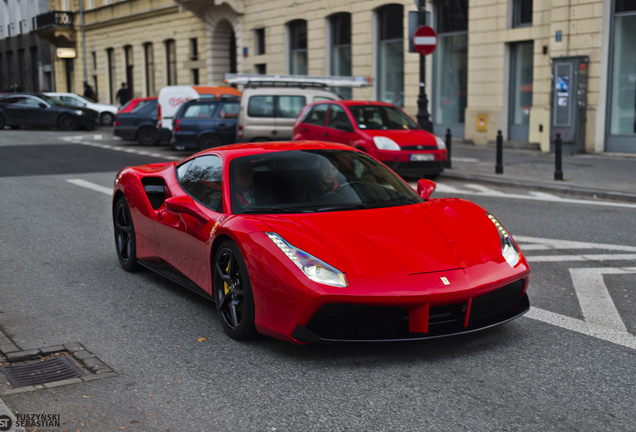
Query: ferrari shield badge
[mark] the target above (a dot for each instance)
(446, 282)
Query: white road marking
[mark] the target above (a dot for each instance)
(479, 190)
(601, 319)
(460, 159)
(80, 139)
(593, 257)
(545, 243)
(92, 186)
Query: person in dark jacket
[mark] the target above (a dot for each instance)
(122, 94)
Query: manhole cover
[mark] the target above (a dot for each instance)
(41, 371)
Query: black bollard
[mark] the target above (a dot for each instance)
(448, 148)
(499, 166)
(558, 173)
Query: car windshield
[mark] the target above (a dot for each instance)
(381, 117)
(310, 181)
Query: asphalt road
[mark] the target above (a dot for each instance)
(60, 281)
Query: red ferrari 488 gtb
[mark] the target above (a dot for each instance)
(315, 242)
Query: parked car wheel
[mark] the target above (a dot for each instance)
(208, 141)
(147, 136)
(66, 122)
(107, 118)
(14, 127)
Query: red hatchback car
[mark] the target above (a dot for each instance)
(380, 129)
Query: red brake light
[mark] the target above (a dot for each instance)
(239, 131)
(158, 115)
(175, 126)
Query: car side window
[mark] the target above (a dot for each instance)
(317, 115)
(70, 100)
(202, 178)
(290, 106)
(261, 106)
(12, 100)
(32, 102)
(200, 111)
(229, 110)
(337, 115)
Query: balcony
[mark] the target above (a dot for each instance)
(57, 27)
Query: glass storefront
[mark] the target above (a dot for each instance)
(341, 50)
(622, 117)
(391, 55)
(450, 63)
(521, 90)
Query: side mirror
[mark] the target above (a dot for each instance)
(343, 127)
(184, 204)
(425, 188)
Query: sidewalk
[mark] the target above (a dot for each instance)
(601, 175)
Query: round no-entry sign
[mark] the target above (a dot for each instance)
(425, 40)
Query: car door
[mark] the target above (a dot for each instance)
(339, 128)
(288, 108)
(194, 119)
(12, 109)
(183, 237)
(225, 121)
(40, 112)
(313, 125)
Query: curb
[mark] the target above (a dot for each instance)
(529, 184)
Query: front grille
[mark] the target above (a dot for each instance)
(359, 322)
(419, 147)
(499, 302)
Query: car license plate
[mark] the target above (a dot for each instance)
(422, 157)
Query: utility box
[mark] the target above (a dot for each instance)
(569, 103)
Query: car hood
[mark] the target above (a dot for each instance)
(434, 236)
(404, 138)
(103, 107)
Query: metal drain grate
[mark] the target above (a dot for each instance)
(41, 371)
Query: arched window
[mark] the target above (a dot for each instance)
(297, 31)
(390, 54)
(341, 49)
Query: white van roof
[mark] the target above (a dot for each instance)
(297, 80)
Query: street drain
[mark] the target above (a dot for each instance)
(42, 371)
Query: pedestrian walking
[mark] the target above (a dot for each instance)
(89, 93)
(122, 94)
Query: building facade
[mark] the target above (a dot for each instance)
(25, 60)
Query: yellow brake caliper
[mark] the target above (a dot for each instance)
(226, 287)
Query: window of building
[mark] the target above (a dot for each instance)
(522, 13)
(194, 49)
(390, 58)
(110, 58)
(259, 41)
(451, 64)
(341, 49)
(171, 60)
(298, 47)
(149, 55)
(622, 118)
(195, 76)
(94, 57)
(130, 76)
(260, 69)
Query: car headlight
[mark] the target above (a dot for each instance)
(78, 112)
(508, 248)
(384, 143)
(315, 269)
(440, 143)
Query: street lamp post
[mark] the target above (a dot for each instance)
(423, 116)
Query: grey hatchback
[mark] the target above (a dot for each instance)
(205, 123)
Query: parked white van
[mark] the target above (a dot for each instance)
(270, 104)
(172, 97)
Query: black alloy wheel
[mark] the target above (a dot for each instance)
(125, 241)
(208, 142)
(2, 122)
(107, 118)
(233, 292)
(147, 136)
(67, 122)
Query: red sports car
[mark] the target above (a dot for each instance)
(316, 242)
(378, 128)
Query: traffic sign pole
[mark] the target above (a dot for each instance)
(425, 42)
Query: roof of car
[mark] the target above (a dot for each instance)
(247, 149)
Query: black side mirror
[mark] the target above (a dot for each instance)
(345, 127)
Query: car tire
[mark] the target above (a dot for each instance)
(147, 136)
(107, 118)
(125, 241)
(2, 122)
(233, 292)
(208, 142)
(15, 127)
(67, 122)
